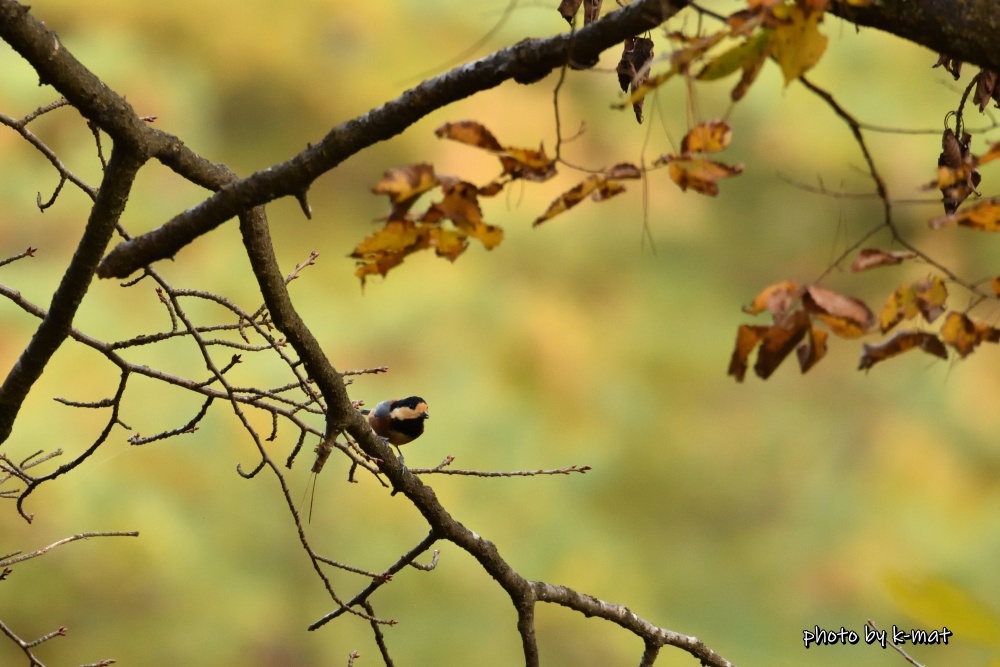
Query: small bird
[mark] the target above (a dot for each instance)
(399, 421)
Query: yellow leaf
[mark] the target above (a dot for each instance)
(708, 137)
(798, 44)
(901, 305)
(984, 216)
(777, 298)
(699, 175)
(959, 332)
(595, 185)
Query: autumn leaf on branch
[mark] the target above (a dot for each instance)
(986, 89)
(871, 258)
(701, 174)
(633, 68)
(778, 299)
(902, 342)
(749, 56)
(926, 297)
(598, 186)
(984, 216)
(845, 316)
(964, 334)
(680, 62)
(957, 177)
(404, 185)
(798, 44)
(591, 10)
(526, 163)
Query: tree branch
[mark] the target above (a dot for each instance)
(55, 327)
(525, 62)
(966, 30)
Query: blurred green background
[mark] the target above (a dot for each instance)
(743, 514)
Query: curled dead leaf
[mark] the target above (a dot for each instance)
(846, 316)
(778, 341)
(871, 258)
(965, 334)
(699, 175)
(404, 185)
(747, 338)
(983, 216)
(901, 342)
(813, 349)
(778, 299)
(708, 137)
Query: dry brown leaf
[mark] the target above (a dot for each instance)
(697, 174)
(708, 137)
(633, 68)
(529, 164)
(598, 186)
(623, 171)
(986, 88)
(469, 132)
(846, 316)
(930, 295)
(778, 341)
(984, 217)
(404, 185)
(569, 8)
(995, 285)
(959, 332)
(901, 305)
(964, 334)
(951, 65)
(901, 342)
(591, 11)
(461, 206)
(871, 258)
(778, 299)
(813, 349)
(747, 338)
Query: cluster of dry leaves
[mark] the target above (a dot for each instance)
(796, 310)
(785, 31)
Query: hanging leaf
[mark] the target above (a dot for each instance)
(697, 174)
(846, 316)
(797, 45)
(930, 295)
(680, 61)
(778, 341)
(633, 68)
(813, 349)
(526, 163)
(748, 57)
(708, 137)
(902, 305)
(902, 342)
(984, 216)
(964, 334)
(870, 258)
(404, 185)
(747, 338)
(469, 132)
(591, 185)
(777, 298)
(569, 8)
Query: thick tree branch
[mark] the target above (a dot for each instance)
(964, 30)
(111, 198)
(525, 62)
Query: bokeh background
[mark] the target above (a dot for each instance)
(743, 514)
